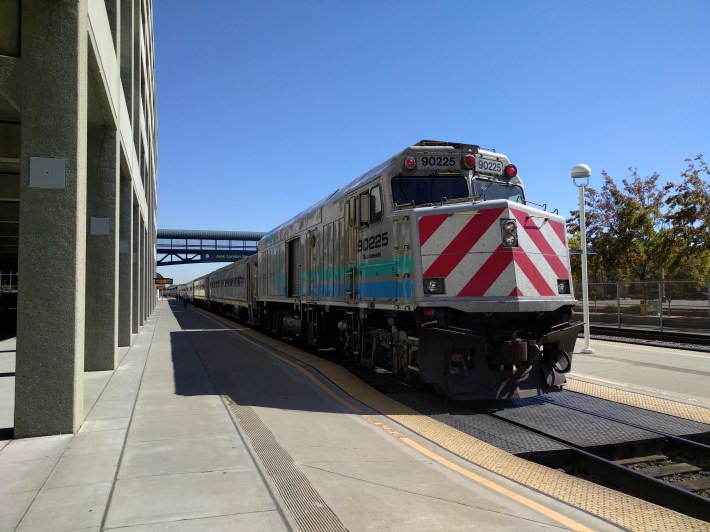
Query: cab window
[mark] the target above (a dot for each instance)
(418, 190)
(486, 189)
(375, 205)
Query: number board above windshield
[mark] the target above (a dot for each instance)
(449, 161)
(489, 166)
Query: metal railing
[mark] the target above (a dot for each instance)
(8, 282)
(657, 305)
(8, 291)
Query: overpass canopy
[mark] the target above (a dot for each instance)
(201, 234)
(189, 246)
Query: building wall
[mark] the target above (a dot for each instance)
(78, 168)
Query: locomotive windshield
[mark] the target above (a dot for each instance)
(485, 189)
(420, 190)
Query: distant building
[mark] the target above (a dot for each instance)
(78, 139)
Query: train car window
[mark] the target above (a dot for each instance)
(353, 218)
(420, 190)
(365, 208)
(375, 205)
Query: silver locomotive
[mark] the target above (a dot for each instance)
(431, 265)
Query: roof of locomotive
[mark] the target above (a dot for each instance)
(364, 178)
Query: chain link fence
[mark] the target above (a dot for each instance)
(659, 305)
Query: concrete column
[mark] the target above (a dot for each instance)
(141, 266)
(102, 251)
(136, 290)
(50, 317)
(125, 264)
(126, 47)
(148, 282)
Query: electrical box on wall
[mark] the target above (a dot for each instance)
(47, 172)
(98, 226)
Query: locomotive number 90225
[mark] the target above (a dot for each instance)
(375, 241)
(438, 161)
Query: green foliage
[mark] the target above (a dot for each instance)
(640, 231)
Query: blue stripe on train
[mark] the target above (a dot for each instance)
(398, 289)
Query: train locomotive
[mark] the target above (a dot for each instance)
(432, 266)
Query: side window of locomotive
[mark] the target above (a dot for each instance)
(352, 213)
(364, 209)
(375, 205)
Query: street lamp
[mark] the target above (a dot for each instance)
(583, 172)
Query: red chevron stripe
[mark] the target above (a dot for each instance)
(560, 230)
(533, 231)
(488, 273)
(428, 226)
(462, 243)
(533, 274)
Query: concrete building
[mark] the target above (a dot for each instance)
(78, 139)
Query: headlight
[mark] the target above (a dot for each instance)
(563, 286)
(434, 285)
(509, 233)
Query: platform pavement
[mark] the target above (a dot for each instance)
(676, 374)
(161, 449)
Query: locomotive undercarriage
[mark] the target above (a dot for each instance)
(381, 340)
(496, 356)
(462, 355)
(371, 338)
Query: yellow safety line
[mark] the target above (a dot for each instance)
(636, 397)
(660, 394)
(556, 516)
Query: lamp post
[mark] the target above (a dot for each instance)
(583, 172)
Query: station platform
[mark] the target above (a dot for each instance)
(206, 425)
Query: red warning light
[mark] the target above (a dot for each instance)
(410, 163)
(511, 170)
(469, 161)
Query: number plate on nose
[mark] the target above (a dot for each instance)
(489, 166)
(436, 162)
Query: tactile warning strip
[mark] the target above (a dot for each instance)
(617, 508)
(307, 507)
(646, 402)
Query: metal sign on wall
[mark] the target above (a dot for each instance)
(163, 280)
(223, 256)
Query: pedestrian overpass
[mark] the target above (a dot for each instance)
(190, 246)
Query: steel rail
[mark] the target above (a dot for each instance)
(686, 338)
(655, 490)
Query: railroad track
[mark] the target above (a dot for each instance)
(685, 338)
(672, 472)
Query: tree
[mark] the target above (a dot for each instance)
(689, 219)
(624, 226)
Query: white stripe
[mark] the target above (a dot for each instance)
(505, 283)
(524, 285)
(539, 260)
(465, 270)
(557, 246)
(444, 234)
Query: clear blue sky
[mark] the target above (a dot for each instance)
(266, 107)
